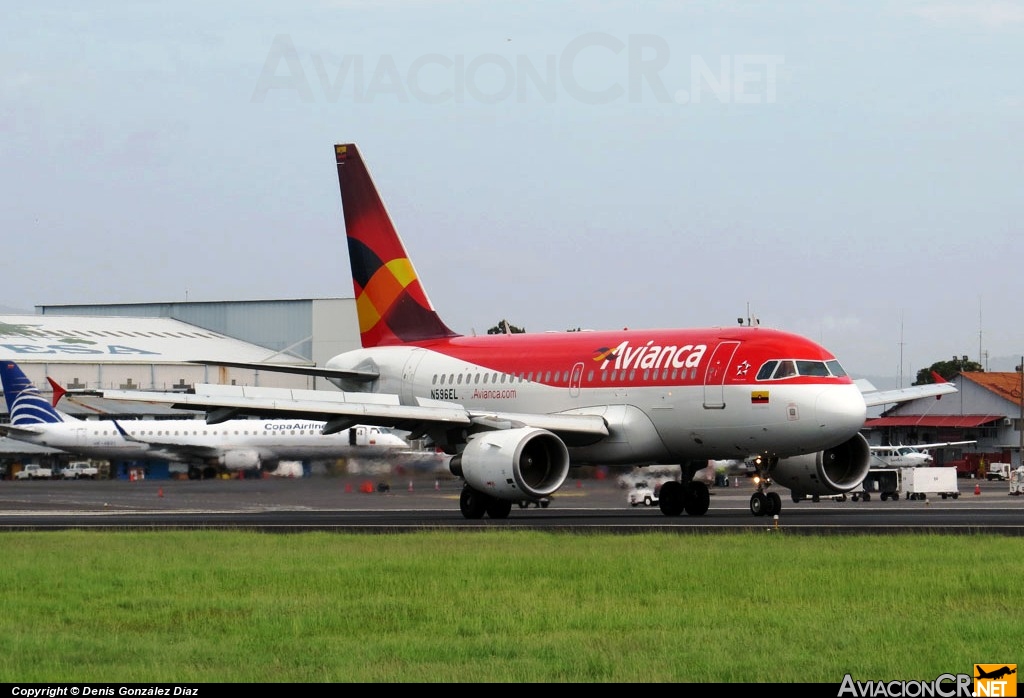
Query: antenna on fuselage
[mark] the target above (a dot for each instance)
(750, 320)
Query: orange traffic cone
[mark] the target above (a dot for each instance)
(160, 492)
(977, 489)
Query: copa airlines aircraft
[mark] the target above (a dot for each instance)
(240, 444)
(518, 411)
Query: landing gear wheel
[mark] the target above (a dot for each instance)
(758, 504)
(671, 499)
(774, 504)
(698, 499)
(472, 503)
(498, 508)
(796, 497)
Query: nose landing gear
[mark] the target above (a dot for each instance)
(763, 502)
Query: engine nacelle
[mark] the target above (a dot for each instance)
(832, 471)
(513, 464)
(242, 459)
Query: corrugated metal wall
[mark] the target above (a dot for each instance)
(311, 329)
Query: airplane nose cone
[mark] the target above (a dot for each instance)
(841, 408)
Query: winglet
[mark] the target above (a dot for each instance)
(936, 378)
(125, 435)
(58, 390)
(391, 304)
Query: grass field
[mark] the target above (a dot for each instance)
(504, 607)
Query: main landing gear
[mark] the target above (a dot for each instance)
(475, 504)
(676, 497)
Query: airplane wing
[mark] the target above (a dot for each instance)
(924, 447)
(170, 451)
(874, 398)
(341, 410)
(319, 371)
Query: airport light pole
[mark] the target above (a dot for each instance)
(1020, 425)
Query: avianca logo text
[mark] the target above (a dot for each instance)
(651, 355)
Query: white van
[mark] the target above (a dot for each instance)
(998, 471)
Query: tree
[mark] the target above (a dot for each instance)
(503, 327)
(947, 369)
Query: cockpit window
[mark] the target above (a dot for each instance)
(812, 368)
(779, 368)
(835, 369)
(785, 370)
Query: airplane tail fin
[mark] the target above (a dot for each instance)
(392, 305)
(25, 404)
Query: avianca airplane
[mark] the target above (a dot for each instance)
(240, 444)
(518, 411)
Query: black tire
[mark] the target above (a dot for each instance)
(498, 508)
(867, 496)
(544, 503)
(758, 504)
(796, 497)
(956, 495)
(647, 501)
(697, 498)
(774, 504)
(473, 504)
(671, 499)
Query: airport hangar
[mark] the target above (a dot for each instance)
(151, 346)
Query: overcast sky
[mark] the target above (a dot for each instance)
(848, 171)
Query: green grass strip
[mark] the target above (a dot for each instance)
(503, 606)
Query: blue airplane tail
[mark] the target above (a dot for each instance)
(25, 404)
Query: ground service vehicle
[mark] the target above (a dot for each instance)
(883, 482)
(998, 471)
(1017, 482)
(918, 483)
(643, 493)
(33, 472)
(80, 470)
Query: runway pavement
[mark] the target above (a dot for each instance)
(341, 503)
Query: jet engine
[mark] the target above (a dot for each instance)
(513, 464)
(832, 471)
(243, 459)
